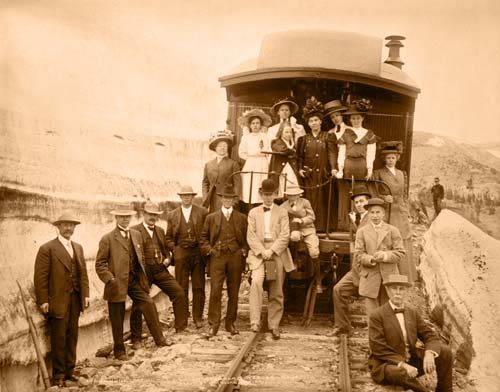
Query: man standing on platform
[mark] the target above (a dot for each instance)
(224, 238)
(155, 257)
(267, 236)
(184, 227)
(62, 292)
(120, 265)
(437, 191)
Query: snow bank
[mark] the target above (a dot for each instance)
(461, 270)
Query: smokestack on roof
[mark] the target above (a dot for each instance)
(394, 44)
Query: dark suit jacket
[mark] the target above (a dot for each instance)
(215, 176)
(386, 338)
(52, 276)
(160, 234)
(198, 215)
(211, 230)
(112, 260)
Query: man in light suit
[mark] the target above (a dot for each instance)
(184, 227)
(349, 284)
(219, 171)
(267, 236)
(155, 257)
(120, 265)
(393, 331)
(377, 250)
(62, 292)
(224, 238)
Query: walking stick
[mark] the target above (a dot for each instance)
(36, 342)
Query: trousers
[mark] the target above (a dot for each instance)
(190, 264)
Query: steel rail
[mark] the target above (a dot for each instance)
(344, 372)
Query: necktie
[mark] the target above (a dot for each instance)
(399, 310)
(152, 228)
(338, 129)
(358, 218)
(227, 214)
(124, 233)
(267, 209)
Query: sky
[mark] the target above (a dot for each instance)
(153, 66)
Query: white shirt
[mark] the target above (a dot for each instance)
(401, 320)
(392, 170)
(150, 232)
(227, 212)
(66, 243)
(186, 212)
(123, 231)
(267, 223)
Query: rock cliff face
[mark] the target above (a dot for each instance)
(460, 268)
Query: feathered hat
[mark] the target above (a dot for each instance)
(359, 106)
(313, 107)
(218, 136)
(391, 147)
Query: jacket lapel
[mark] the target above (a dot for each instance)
(62, 254)
(384, 230)
(372, 237)
(120, 239)
(136, 238)
(391, 317)
(259, 222)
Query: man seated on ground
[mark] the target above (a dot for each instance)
(393, 331)
(301, 217)
(349, 284)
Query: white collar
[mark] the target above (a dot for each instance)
(360, 133)
(64, 241)
(394, 306)
(290, 144)
(391, 169)
(122, 228)
(226, 211)
(187, 209)
(147, 227)
(379, 226)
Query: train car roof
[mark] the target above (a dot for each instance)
(319, 54)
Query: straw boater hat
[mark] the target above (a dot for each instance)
(66, 218)
(312, 108)
(333, 107)
(375, 201)
(293, 190)
(359, 106)
(396, 279)
(244, 120)
(285, 101)
(391, 147)
(186, 190)
(227, 191)
(219, 136)
(360, 191)
(124, 209)
(267, 186)
(152, 208)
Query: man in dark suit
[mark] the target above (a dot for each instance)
(437, 192)
(224, 239)
(393, 331)
(219, 171)
(184, 227)
(157, 261)
(62, 292)
(120, 265)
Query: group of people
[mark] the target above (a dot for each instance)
(219, 238)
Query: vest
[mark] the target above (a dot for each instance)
(227, 236)
(186, 238)
(74, 272)
(152, 250)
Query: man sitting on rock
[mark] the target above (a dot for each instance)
(393, 331)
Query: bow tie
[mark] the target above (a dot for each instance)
(152, 228)
(399, 310)
(267, 209)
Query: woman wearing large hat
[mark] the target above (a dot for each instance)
(314, 161)
(390, 152)
(252, 147)
(219, 171)
(285, 109)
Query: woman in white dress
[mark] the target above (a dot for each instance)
(252, 147)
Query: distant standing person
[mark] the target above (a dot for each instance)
(62, 292)
(398, 199)
(285, 109)
(437, 192)
(220, 171)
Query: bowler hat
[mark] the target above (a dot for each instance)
(375, 202)
(66, 217)
(396, 279)
(152, 208)
(227, 191)
(285, 101)
(360, 191)
(244, 120)
(293, 190)
(186, 190)
(267, 186)
(220, 136)
(123, 209)
(333, 107)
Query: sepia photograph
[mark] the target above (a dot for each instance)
(214, 195)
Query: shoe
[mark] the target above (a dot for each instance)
(122, 356)
(59, 382)
(136, 344)
(232, 330)
(337, 331)
(276, 333)
(414, 384)
(254, 328)
(198, 324)
(165, 342)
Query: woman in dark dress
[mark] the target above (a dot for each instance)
(314, 161)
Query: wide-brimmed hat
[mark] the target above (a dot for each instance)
(359, 106)
(267, 186)
(396, 279)
(152, 208)
(391, 147)
(285, 101)
(219, 136)
(186, 190)
(227, 191)
(360, 191)
(244, 120)
(312, 108)
(293, 190)
(333, 107)
(123, 209)
(66, 217)
(375, 201)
